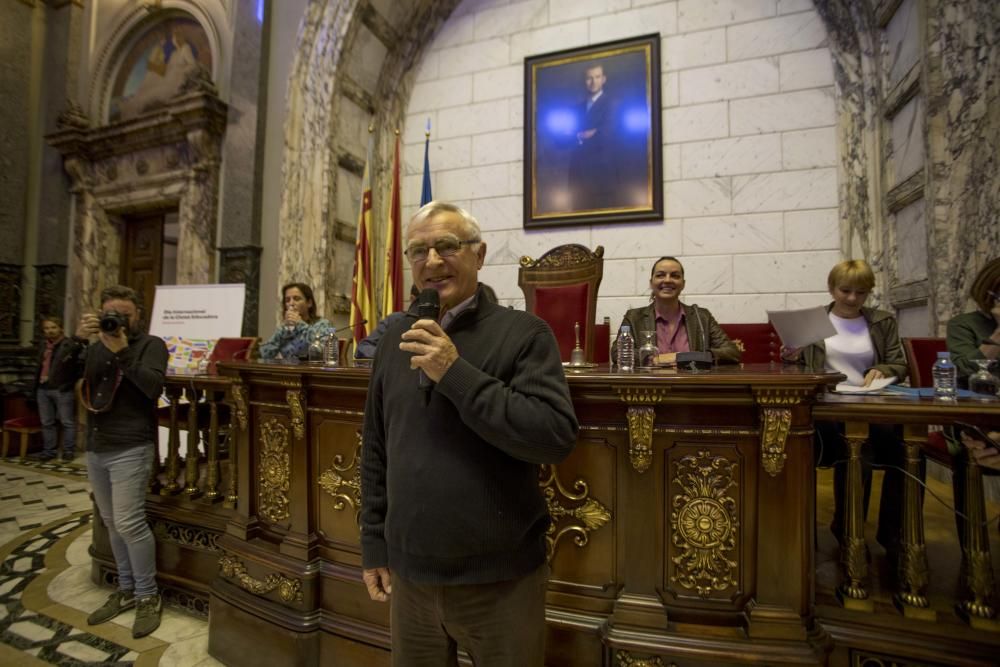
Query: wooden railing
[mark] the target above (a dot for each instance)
(909, 584)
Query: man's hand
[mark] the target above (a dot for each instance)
(116, 342)
(791, 354)
(90, 325)
(432, 350)
(872, 375)
(586, 134)
(984, 455)
(378, 582)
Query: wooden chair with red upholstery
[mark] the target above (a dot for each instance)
(921, 353)
(561, 288)
(25, 426)
(758, 343)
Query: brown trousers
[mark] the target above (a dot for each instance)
(500, 624)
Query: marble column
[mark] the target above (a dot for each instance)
(331, 102)
(963, 139)
(197, 211)
(10, 302)
(242, 265)
(50, 292)
(854, 47)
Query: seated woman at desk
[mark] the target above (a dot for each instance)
(976, 335)
(678, 326)
(301, 324)
(865, 348)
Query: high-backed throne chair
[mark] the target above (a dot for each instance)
(561, 288)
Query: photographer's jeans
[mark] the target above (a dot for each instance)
(119, 481)
(57, 406)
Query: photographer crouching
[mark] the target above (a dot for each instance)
(123, 377)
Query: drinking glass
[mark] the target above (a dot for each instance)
(983, 383)
(648, 351)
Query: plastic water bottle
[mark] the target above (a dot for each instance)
(945, 377)
(331, 350)
(626, 349)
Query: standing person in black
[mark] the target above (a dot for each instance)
(123, 378)
(54, 382)
(453, 522)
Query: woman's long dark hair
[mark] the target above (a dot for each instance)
(307, 292)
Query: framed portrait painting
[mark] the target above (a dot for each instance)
(592, 146)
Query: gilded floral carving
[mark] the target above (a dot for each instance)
(294, 399)
(275, 471)
(568, 518)
(289, 590)
(640, 432)
(240, 401)
(704, 523)
(343, 482)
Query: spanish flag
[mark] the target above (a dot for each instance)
(362, 289)
(392, 295)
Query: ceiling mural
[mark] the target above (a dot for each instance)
(157, 65)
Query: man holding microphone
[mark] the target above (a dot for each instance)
(453, 522)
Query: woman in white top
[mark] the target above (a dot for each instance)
(866, 347)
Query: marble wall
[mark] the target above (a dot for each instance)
(963, 139)
(750, 145)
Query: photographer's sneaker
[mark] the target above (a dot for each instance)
(116, 603)
(147, 615)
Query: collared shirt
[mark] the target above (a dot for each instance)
(671, 332)
(452, 313)
(592, 100)
(50, 347)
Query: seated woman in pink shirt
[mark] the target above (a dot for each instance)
(679, 327)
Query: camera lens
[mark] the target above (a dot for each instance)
(112, 321)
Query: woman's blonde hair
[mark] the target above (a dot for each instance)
(987, 280)
(851, 273)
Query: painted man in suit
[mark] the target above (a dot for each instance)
(593, 171)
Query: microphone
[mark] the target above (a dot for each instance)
(695, 360)
(428, 308)
(349, 326)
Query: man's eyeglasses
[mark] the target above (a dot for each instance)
(444, 247)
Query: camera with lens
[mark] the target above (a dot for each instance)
(112, 321)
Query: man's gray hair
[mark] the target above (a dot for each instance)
(435, 207)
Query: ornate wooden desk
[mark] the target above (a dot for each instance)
(683, 522)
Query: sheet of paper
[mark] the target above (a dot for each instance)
(801, 327)
(875, 386)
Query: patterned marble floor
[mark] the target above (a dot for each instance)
(45, 588)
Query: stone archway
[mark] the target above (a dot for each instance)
(335, 92)
(167, 159)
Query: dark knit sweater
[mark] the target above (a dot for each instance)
(450, 478)
(131, 418)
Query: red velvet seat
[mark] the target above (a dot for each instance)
(26, 426)
(758, 343)
(921, 353)
(561, 287)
